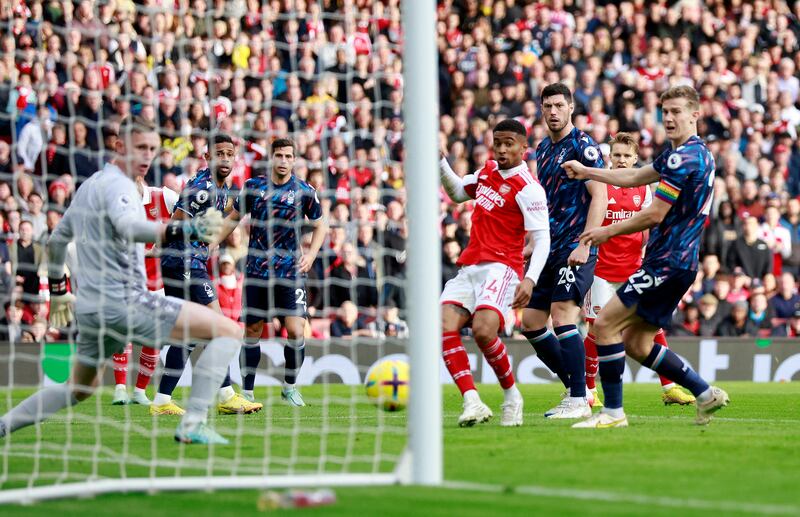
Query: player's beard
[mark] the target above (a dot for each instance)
(558, 129)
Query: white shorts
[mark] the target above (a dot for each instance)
(598, 296)
(489, 285)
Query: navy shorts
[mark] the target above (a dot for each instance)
(560, 282)
(656, 297)
(200, 288)
(277, 298)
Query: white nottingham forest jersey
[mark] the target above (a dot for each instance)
(110, 265)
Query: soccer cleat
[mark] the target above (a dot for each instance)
(170, 408)
(596, 399)
(512, 413)
(705, 410)
(564, 399)
(248, 396)
(475, 412)
(139, 397)
(601, 421)
(121, 397)
(568, 409)
(292, 397)
(238, 405)
(203, 435)
(675, 395)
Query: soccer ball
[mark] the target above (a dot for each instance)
(387, 384)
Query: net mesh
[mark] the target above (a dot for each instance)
(328, 76)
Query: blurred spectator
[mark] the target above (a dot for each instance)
(26, 257)
(738, 324)
(787, 301)
(750, 253)
(350, 281)
(450, 252)
(760, 314)
(791, 328)
(349, 324)
(229, 287)
(687, 323)
(709, 318)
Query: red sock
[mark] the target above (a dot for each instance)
(457, 361)
(496, 356)
(120, 362)
(592, 364)
(661, 339)
(147, 366)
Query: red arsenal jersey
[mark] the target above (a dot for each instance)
(508, 204)
(158, 205)
(621, 256)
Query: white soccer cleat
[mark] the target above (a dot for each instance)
(564, 399)
(121, 397)
(572, 409)
(602, 421)
(512, 412)
(475, 412)
(140, 397)
(705, 410)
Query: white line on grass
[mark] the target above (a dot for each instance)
(639, 499)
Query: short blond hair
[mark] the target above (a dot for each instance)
(682, 92)
(626, 139)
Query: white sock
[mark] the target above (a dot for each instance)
(249, 393)
(138, 390)
(162, 399)
(577, 400)
(120, 387)
(207, 374)
(512, 393)
(471, 396)
(287, 386)
(614, 412)
(705, 396)
(226, 393)
(667, 387)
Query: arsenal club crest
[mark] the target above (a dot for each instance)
(504, 189)
(637, 199)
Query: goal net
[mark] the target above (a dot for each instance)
(332, 76)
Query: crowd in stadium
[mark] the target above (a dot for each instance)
(329, 74)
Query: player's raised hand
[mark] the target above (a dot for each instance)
(522, 295)
(595, 236)
(306, 261)
(207, 225)
(575, 170)
(579, 255)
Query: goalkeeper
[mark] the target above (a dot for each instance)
(113, 306)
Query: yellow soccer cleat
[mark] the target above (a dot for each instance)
(596, 402)
(675, 395)
(170, 408)
(238, 405)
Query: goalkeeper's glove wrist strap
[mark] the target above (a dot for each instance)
(58, 286)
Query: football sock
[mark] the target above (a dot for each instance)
(496, 356)
(147, 366)
(457, 361)
(661, 339)
(120, 362)
(591, 361)
(574, 357)
(612, 365)
(549, 351)
(207, 376)
(226, 382)
(294, 353)
(226, 393)
(665, 362)
(249, 358)
(174, 363)
(39, 406)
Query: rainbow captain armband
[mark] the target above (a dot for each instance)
(668, 192)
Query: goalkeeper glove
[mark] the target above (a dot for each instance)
(60, 302)
(203, 227)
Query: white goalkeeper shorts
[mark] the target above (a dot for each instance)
(147, 320)
(598, 296)
(489, 285)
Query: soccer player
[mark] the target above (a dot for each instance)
(274, 283)
(184, 266)
(158, 206)
(575, 206)
(630, 320)
(510, 205)
(618, 259)
(107, 221)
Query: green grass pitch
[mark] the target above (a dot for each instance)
(746, 462)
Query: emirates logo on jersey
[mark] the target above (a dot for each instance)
(488, 198)
(616, 216)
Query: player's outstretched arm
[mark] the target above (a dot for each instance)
(647, 218)
(452, 183)
(619, 177)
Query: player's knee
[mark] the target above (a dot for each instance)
(638, 351)
(484, 332)
(228, 328)
(531, 321)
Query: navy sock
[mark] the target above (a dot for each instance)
(612, 364)
(574, 357)
(227, 381)
(174, 364)
(294, 353)
(249, 358)
(549, 351)
(665, 362)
